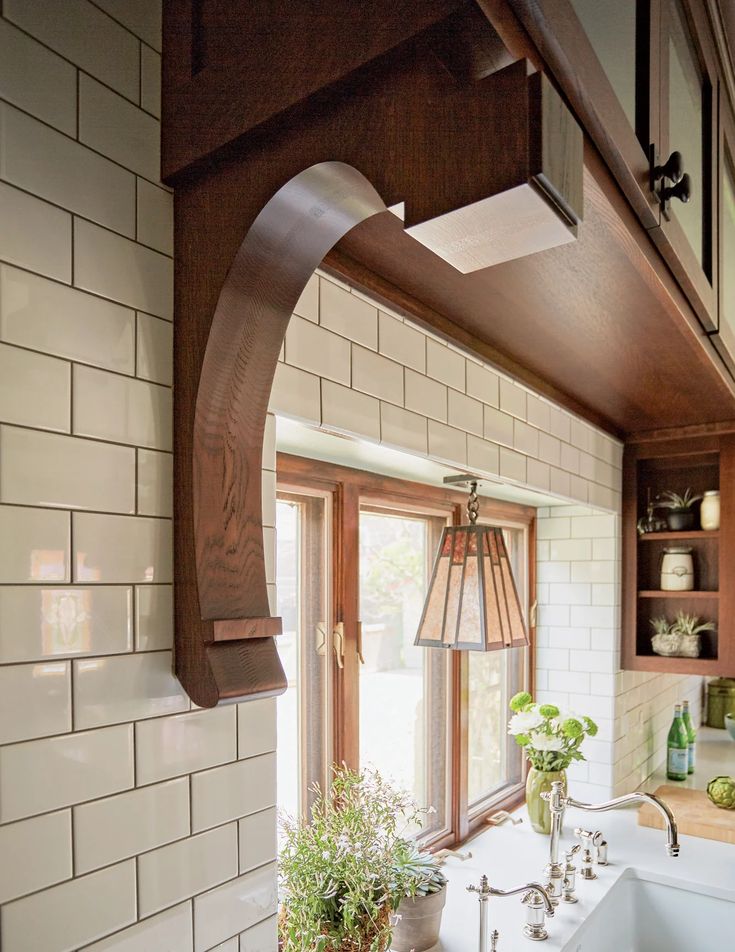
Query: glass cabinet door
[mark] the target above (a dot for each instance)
(724, 341)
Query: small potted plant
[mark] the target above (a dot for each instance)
(551, 740)
(680, 638)
(680, 516)
(418, 919)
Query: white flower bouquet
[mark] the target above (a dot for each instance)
(550, 738)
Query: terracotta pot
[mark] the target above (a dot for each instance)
(538, 782)
(418, 922)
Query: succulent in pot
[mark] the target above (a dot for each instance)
(681, 516)
(418, 917)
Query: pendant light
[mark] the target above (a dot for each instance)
(472, 602)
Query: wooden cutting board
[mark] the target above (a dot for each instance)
(694, 813)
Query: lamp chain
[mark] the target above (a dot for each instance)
(473, 504)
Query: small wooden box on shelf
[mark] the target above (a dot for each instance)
(701, 462)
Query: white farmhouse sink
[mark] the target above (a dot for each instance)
(644, 912)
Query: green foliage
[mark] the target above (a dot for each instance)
(686, 624)
(672, 500)
(550, 738)
(419, 871)
(721, 792)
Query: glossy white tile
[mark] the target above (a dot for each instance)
(512, 465)
(150, 81)
(401, 342)
(426, 396)
(115, 127)
(60, 170)
(64, 917)
(141, 17)
(169, 931)
(37, 80)
(376, 375)
(46, 622)
(43, 469)
(403, 429)
(35, 390)
(111, 407)
(296, 394)
(482, 455)
(498, 426)
(445, 365)
(512, 398)
(482, 384)
(171, 746)
(349, 411)
(318, 351)
(125, 688)
(234, 907)
(119, 269)
(155, 214)
(155, 483)
(256, 727)
(34, 234)
(51, 317)
(257, 836)
(261, 938)
(155, 349)
(447, 443)
(35, 545)
(465, 413)
(106, 831)
(231, 945)
(154, 617)
(308, 303)
(41, 854)
(235, 790)
(121, 549)
(43, 775)
(348, 315)
(172, 873)
(35, 700)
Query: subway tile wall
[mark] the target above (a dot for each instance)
(128, 821)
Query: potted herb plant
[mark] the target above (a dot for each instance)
(680, 638)
(680, 516)
(551, 740)
(348, 869)
(418, 919)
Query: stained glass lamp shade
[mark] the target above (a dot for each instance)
(472, 603)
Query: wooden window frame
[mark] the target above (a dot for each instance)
(349, 489)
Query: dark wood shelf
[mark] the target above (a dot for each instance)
(694, 534)
(663, 665)
(661, 594)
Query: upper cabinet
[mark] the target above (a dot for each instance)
(724, 340)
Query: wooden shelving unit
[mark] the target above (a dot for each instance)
(702, 463)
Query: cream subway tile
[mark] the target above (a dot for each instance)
(348, 315)
(594, 705)
(554, 528)
(537, 474)
(569, 458)
(230, 945)
(39, 623)
(549, 449)
(377, 375)
(117, 268)
(154, 617)
(512, 465)
(184, 743)
(43, 775)
(41, 854)
(576, 638)
(141, 17)
(403, 429)
(35, 700)
(34, 234)
(45, 469)
(465, 413)
(561, 593)
(578, 488)
(169, 931)
(542, 551)
(552, 659)
(498, 426)
(155, 342)
(35, 545)
(122, 410)
(587, 465)
(448, 444)
(261, 938)
(155, 216)
(237, 906)
(125, 688)
(580, 435)
(256, 727)
(483, 384)
(235, 790)
(559, 424)
(445, 365)
(333, 278)
(54, 167)
(269, 442)
(553, 615)
(121, 549)
(604, 639)
(538, 412)
(512, 398)
(597, 617)
(426, 396)
(482, 455)
(597, 527)
(112, 57)
(604, 549)
(578, 682)
(155, 483)
(605, 594)
(542, 593)
(296, 394)
(307, 305)
(150, 81)
(348, 411)
(37, 80)
(108, 830)
(257, 836)
(605, 684)
(47, 316)
(172, 873)
(269, 551)
(35, 390)
(552, 571)
(401, 342)
(594, 571)
(64, 917)
(525, 438)
(558, 482)
(268, 494)
(318, 351)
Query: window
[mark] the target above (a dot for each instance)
(354, 556)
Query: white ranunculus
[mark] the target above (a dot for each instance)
(524, 722)
(545, 742)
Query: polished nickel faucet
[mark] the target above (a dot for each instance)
(558, 804)
(485, 891)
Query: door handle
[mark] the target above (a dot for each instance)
(533, 613)
(338, 636)
(359, 642)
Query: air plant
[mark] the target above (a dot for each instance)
(672, 500)
(691, 624)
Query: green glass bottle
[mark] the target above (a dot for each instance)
(677, 744)
(692, 735)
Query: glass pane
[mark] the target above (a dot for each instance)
(686, 108)
(288, 587)
(611, 30)
(403, 698)
(727, 274)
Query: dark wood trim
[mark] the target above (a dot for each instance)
(683, 432)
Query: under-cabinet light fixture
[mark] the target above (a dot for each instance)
(472, 603)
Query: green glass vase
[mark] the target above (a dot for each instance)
(538, 782)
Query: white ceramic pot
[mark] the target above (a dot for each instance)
(677, 569)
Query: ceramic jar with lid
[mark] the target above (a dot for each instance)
(709, 511)
(677, 569)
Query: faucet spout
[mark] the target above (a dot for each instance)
(529, 887)
(672, 832)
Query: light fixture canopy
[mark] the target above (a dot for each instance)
(472, 603)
